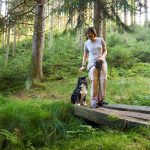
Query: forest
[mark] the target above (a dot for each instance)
(41, 49)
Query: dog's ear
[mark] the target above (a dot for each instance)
(84, 77)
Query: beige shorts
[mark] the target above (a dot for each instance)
(96, 74)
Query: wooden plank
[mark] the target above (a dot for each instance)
(141, 116)
(111, 117)
(142, 109)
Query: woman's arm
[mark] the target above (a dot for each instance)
(85, 56)
(104, 50)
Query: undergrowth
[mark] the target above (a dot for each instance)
(45, 125)
(34, 123)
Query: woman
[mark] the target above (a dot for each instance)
(95, 49)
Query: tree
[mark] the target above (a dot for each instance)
(146, 13)
(103, 9)
(132, 12)
(51, 22)
(7, 35)
(0, 8)
(125, 15)
(18, 12)
(103, 27)
(14, 42)
(36, 72)
(97, 17)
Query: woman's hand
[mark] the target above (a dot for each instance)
(82, 68)
(101, 58)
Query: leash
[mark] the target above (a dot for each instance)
(90, 68)
(97, 64)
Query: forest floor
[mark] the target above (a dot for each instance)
(132, 91)
(83, 137)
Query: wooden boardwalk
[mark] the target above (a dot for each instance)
(115, 114)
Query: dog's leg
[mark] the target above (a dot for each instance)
(84, 101)
(77, 101)
(81, 100)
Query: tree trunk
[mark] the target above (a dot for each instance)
(146, 13)
(132, 13)
(80, 25)
(14, 43)
(103, 27)
(140, 12)
(7, 47)
(80, 21)
(36, 73)
(59, 18)
(3, 41)
(97, 17)
(51, 23)
(7, 35)
(4, 30)
(125, 16)
(80, 33)
(0, 7)
(59, 23)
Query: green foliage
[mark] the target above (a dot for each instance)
(36, 122)
(120, 56)
(142, 34)
(109, 139)
(83, 132)
(114, 39)
(15, 73)
(126, 47)
(112, 118)
(13, 139)
(63, 58)
(141, 69)
(142, 52)
(131, 91)
(139, 99)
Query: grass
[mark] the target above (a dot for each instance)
(132, 91)
(49, 125)
(106, 139)
(35, 121)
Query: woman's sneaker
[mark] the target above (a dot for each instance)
(105, 103)
(101, 103)
(95, 105)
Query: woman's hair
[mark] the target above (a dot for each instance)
(91, 29)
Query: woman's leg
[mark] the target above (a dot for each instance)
(102, 89)
(102, 82)
(93, 74)
(94, 92)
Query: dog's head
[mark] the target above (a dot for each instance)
(98, 64)
(82, 80)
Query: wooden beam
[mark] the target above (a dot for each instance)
(135, 108)
(112, 117)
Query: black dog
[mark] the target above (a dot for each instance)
(79, 94)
